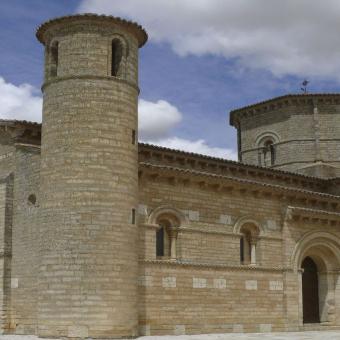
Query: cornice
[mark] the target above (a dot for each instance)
(313, 215)
(214, 266)
(252, 186)
(161, 153)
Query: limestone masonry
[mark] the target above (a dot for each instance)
(102, 237)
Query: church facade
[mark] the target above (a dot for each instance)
(105, 237)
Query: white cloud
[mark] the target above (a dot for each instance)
(19, 102)
(156, 119)
(298, 37)
(197, 146)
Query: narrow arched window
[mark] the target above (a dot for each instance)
(160, 242)
(245, 247)
(116, 57)
(242, 249)
(54, 59)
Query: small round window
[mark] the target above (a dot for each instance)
(32, 199)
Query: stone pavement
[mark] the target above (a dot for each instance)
(324, 335)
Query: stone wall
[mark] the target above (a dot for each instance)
(6, 217)
(25, 243)
(188, 299)
(205, 288)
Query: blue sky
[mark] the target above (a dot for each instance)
(204, 58)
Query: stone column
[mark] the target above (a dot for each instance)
(173, 252)
(253, 242)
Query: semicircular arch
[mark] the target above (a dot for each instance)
(322, 247)
(247, 220)
(175, 216)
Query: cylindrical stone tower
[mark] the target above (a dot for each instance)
(89, 177)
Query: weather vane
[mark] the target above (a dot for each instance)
(304, 86)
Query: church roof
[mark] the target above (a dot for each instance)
(273, 103)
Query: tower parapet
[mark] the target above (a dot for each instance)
(89, 177)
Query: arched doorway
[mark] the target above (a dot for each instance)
(310, 291)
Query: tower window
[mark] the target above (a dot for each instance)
(133, 137)
(116, 57)
(54, 59)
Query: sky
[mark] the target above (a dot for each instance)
(203, 59)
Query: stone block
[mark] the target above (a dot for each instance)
(226, 219)
(78, 332)
(169, 282)
(275, 285)
(199, 282)
(179, 330)
(251, 285)
(220, 283)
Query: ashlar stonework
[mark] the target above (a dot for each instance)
(102, 237)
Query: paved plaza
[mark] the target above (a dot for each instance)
(324, 335)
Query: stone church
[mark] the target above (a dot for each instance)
(102, 237)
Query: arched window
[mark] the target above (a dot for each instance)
(54, 59)
(248, 242)
(116, 57)
(163, 239)
(168, 221)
